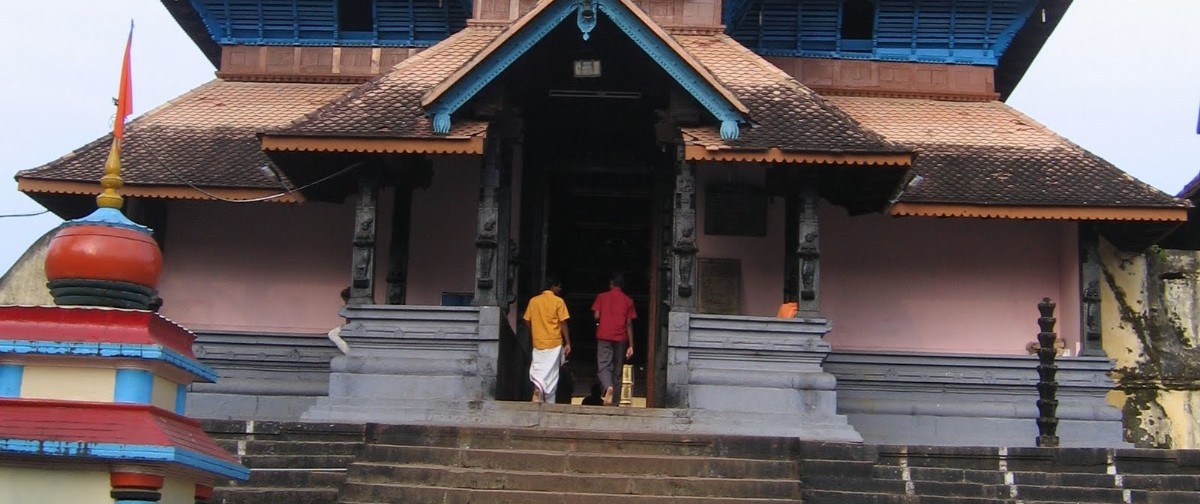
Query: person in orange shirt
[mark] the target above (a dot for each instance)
(547, 318)
(614, 314)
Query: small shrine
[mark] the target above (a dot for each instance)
(93, 390)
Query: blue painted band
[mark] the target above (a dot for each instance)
(109, 217)
(10, 379)
(134, 386)
(110, 350)
(180, 399)
(127, 452)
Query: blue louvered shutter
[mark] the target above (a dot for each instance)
(778, 25)
(278, 20)
(316, 20)
(395, 20)
(244, 19)
(431, 20)
(819, 25)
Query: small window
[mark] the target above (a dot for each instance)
(356, 16)
(858, 25)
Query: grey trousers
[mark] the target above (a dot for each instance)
(610, 358)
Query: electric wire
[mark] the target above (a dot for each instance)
(287, 191)
(32, 214)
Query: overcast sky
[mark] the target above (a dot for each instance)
(1119, 77)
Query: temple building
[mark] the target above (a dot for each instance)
(438, 159)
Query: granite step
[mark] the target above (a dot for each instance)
(584, 462)
(262, 495)
(356, 493)
(611, 482)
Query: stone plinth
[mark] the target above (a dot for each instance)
(762, 373)
(411, 364)
(974, 400)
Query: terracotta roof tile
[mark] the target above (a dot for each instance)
(989, 153)
(786, 114)
(390, 105)
(206, 137)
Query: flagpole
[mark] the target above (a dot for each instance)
(111, 181)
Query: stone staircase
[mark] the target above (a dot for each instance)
(310, 463)
(293, 463)
(407, 464)
(849, 474)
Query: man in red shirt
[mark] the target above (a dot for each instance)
(614, 336)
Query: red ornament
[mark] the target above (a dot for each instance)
(104, 253)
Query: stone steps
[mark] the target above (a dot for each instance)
(355, 493)
(372, 463)
(418, 464)
(296, 463)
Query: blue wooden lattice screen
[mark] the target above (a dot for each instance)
(944, 31)
(314, 22)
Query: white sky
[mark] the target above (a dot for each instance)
(1119, 77)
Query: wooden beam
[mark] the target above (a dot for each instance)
(777, 155)
(1178, 214)
(683, 248)
(362, 275)
(27, 185)
(439, 145)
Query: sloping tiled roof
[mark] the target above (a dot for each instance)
(206, 137)
(987, 153)
(390, 105)
(787, 115)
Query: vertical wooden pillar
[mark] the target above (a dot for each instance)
(808, 249)
(487, 235)
(791, 242)
(1089, 285)
(505, 245)
(683, 247)
(397, 275)
(362, 276)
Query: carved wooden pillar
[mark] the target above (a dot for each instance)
(487, 235)
(397, 275)
(808, 249)
(1089, 285)
(362, 276)
(791, 242)
(683, 247)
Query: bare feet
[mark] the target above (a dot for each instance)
(607, 397)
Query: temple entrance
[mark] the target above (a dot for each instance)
(589, 193)
(596, 183)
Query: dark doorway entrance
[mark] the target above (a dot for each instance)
(591, 178)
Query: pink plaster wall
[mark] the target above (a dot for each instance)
(761, 257)
(943, 285)
(442, 250)
(913, 284)
(256, 266)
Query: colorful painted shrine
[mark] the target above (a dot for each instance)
(93, 391)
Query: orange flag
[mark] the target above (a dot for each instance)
(124, 92)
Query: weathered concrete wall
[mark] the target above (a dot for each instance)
(25, 281)
(1150, 320)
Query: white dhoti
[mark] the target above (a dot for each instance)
(543, 372)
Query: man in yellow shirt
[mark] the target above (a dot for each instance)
(547, 318)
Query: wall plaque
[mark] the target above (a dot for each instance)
(735, 210)
(720, 286)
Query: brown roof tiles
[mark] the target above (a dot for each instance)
(390, 105)
(205, 137)
(786, 114)
(988, 153)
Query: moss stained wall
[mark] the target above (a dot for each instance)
(1150, 313)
